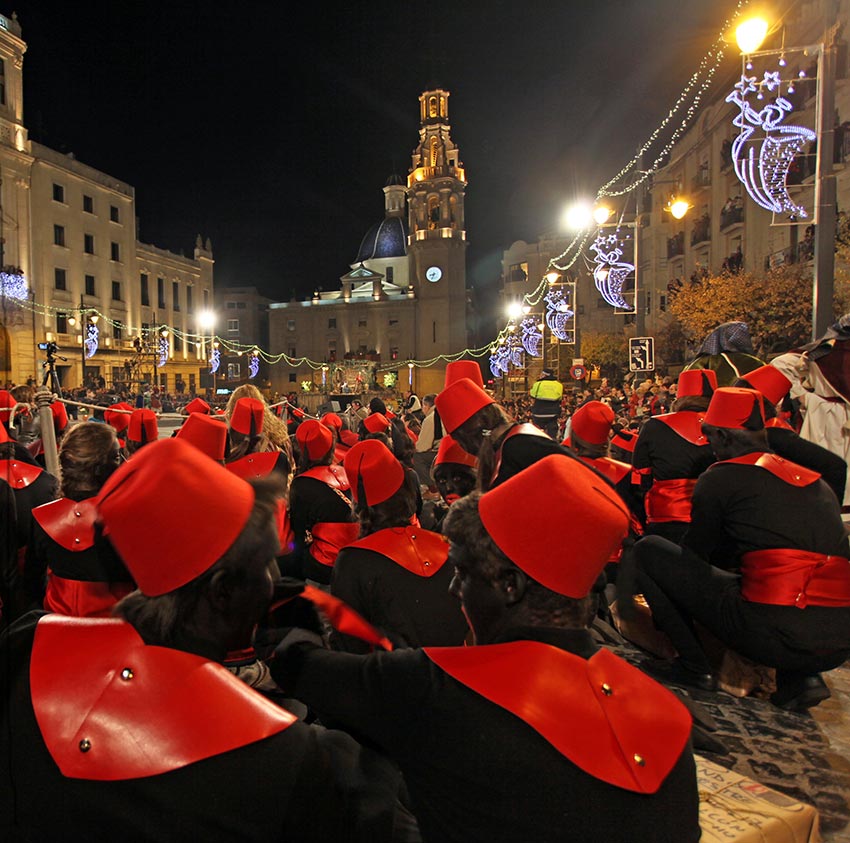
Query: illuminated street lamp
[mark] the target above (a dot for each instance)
(678, 208)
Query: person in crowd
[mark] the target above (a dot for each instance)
(428, 441)
(273, 430)
(66, 569)
(196, 405)
(672, 452)
(455, 476)
(207, 433)
(333, 422)
(142, 429)
(395, 574)
(118, 417)
(483, 429)
(163, 740)
(491, 737)
(412, 404)
(319, 505)
(783, 439)
(763, 566)
(547, 392)
(623, 442)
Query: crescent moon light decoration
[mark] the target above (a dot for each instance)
(215, 360)
(559, 314)
(92, 335)
(531, 336)
(764, 150)
(610, 273)
(499, 361)
(163, 352)
(254, 366)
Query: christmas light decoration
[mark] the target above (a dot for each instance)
(558, 314)
(254, 366)
(13, 285)
(531, 336)
(163, 352)
(499, 361)
(610, 273)
(91, 340)
(761, 161)
(215, 359)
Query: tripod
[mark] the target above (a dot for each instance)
(51, 376)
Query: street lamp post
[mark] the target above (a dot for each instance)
(86, 316)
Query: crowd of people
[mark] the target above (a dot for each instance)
(381, 624)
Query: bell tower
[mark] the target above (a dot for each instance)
(12, 48)
(436, 186)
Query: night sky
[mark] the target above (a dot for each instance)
(272, 127)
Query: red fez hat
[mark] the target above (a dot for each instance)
(625, 439)
(197, 405)
(348, 437)
(120, 421)
(165, 491)
(314, 438)
(697, 382)
(733, 407)
(770, 382)
(247, 416)
(390, 415)
(7, 401)
(376, 423)
(459, 402)
(450, 451)
(332, 421)
(572, 521)
(60, 416)
(4, 434)
(372, 464)
(206, 434)
(458, 369)
(142, 427)
(592, 422)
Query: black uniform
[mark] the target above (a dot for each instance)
(738, 509)
(475, 771)
(304, 783)
(793, 447)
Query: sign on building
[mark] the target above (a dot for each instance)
(642, 354)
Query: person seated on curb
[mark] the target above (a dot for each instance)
(532, 734)
(783, 439)
(133, 721)
(763, 566)
(395, 574)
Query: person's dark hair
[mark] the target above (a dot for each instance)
(164, 619)
(376, 405)
(742, 441)
(690, 402)
(394, 512)
(87, 457)
(430, 398)
(403, 446)
(305, 463)
(469, 434)
(465, 530)
(379, 435)
(587, 449)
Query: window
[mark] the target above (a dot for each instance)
(178, 342)
(163, 380)
(58, 193)
(59, 279)
(146, 296)
(662, 303)
(518, 272)
(160, 292)
(290, 324)
(189, 299)
(232, 326)
(394, 352)
(230, 305)
(361, 323)
(175, 294)
(234, 371)
(191, 383)
(116, 291)
(393, 323)
(88, 244)
(332, 350)
(113, 214)
(88, 204)
(61, 323)
(240, 305)
(390, 274)
(59, 235)
(292, 377)
(89, 285)
(117, 330)
(331, 323)
(2, 82)
(292, 352)
(114, 251)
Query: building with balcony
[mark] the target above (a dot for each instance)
(69, 231)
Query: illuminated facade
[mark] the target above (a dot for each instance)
(405, 295)
(71, 229)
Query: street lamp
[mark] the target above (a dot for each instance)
(750, 35)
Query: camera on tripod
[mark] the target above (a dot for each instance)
(50, 347)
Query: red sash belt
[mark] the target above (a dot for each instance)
(83, 599)
(329, 537)
(787, 577)
(669, 500)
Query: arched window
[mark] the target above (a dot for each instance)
(433, 212)
(434, 146)
(442, 106)
(432, 107)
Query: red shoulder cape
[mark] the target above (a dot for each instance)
(19, 475)
(109, 707)
(613, 469)
(333, 475)
(417, 550)
(69, 523)
(789, 472)
(604, 715)
(687, 424)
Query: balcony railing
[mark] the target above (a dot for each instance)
(676, 245)
(731, 216)
(702, 230)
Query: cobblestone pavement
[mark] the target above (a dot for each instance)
(806, 755)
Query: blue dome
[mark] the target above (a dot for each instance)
(385, 239)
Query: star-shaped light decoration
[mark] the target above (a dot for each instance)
(746, 84)
(771, 80)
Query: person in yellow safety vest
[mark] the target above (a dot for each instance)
(547, 392)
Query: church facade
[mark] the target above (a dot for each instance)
(404, 297)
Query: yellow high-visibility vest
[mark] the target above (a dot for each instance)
(547, 390)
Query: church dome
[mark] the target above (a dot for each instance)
(396, 179)
(385, 239)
